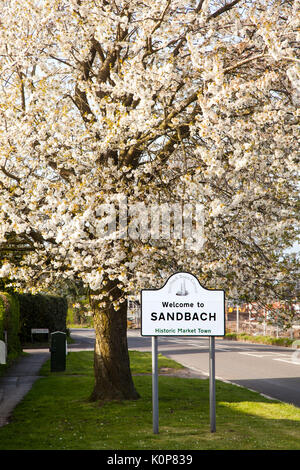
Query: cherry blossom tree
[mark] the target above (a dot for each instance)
(107, 104)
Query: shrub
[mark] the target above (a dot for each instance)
(42, 311)
(260, 339)
(79, 313)
(10, 322)
(231, 335)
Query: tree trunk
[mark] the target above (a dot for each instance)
(113, 380)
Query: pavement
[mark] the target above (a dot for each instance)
(18, 380)
(20, 377)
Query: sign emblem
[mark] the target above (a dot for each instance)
(182, 290)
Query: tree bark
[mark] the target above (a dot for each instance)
(113, 379)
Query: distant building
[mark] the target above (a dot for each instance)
(133, 312)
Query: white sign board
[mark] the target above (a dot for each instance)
(182, 307)
(39, 330)
(2, 352)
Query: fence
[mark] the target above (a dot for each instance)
(246, 324)
(255, 328)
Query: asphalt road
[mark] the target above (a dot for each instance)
(272, 371)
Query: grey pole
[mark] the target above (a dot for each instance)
(154, 385)
(212, 384)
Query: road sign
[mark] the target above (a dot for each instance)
(182, 307)
(39, 330)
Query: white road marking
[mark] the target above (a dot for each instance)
(251, 354)
(289, 361)
(285, 357)
(247, 351)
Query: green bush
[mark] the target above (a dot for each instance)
(78, 313)
(259, 339)
(231, 335)
(42, 311)
(10, 322)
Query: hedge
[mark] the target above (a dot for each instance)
(260, 339)
(10, 322)
(42, 311)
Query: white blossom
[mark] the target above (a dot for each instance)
(154, 102)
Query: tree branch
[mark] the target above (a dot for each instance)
(10, 175)
(161, 18)
(226, 7)
(242, 62)
(199, 6)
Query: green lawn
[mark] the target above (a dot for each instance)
(56, 414)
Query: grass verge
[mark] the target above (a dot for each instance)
(56, 414)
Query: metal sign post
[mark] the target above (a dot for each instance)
(212, 384)
(154, 385)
